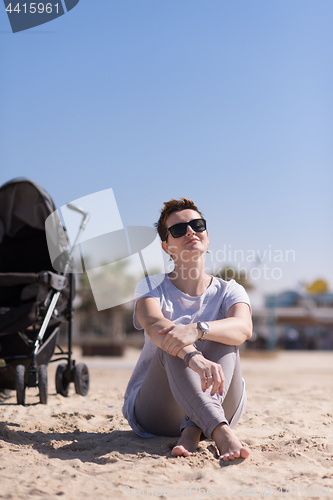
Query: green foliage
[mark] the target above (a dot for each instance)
(228, 273)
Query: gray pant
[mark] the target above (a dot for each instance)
(171, 397)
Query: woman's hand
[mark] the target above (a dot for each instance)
(210, 374)
(178, 336)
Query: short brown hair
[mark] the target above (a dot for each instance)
(169, 208)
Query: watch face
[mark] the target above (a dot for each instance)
(204, 325)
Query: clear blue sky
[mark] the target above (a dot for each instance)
(227, 102)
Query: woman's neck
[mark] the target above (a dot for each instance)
(190, 278)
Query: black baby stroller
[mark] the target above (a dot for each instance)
(34, 299)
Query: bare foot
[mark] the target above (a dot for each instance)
(188, 442)
(228, 444)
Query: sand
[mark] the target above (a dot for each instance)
(81, 447)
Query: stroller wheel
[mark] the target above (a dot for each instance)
(81, 379)
(61, 380)
(42, 384)
(20, 384)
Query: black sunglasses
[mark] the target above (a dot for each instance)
(178, 230)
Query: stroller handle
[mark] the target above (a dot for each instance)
(83, 225)
(82, 212)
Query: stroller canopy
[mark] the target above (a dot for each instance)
(22, 203)
(24, 207)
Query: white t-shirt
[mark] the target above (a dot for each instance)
(182, 309)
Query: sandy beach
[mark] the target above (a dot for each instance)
(82, 447)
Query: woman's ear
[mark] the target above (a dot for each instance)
(165, 247)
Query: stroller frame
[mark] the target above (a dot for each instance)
(29, 368)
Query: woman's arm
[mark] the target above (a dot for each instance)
(150, 317)
(235, 329)
(152, 320)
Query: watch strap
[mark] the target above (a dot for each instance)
(204, 331)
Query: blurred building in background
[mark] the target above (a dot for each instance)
(293, 320)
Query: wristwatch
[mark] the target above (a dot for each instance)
(204, 327)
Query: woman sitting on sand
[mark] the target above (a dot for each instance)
(188, 378)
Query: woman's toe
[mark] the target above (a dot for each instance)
(244, 453)
(180, 451)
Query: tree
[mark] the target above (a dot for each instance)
(112, 283)
(228, 273)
